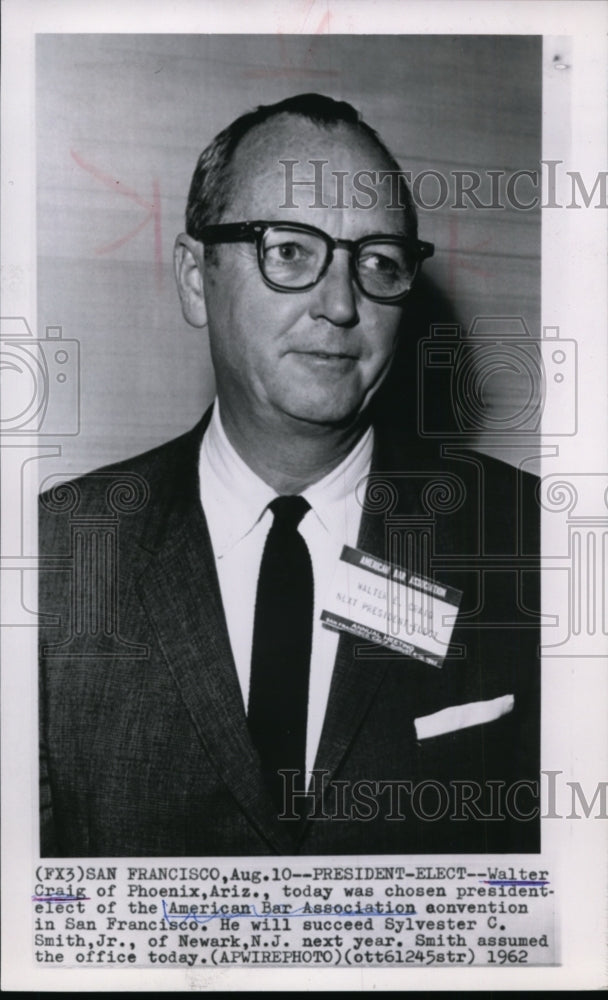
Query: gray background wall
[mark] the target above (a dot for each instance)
(121, 120)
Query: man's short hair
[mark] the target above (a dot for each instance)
(211, 185)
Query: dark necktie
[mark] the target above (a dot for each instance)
(282, 639)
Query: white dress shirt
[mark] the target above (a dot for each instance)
(235, 502)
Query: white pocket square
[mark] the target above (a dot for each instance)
(462, 716)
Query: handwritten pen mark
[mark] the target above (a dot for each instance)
(153, 208)
(303, 70)
(178, 918)
(60, 899)
(513, 881)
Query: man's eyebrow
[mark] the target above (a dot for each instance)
(374, 231)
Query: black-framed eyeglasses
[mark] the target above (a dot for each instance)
(293, 257)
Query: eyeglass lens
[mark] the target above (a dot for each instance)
(294, 259)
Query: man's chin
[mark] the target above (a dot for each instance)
(320, 416)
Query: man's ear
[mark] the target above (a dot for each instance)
(188, 263)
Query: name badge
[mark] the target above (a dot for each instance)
(388, 605)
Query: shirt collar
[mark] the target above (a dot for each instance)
(235, 499)
(330, 496)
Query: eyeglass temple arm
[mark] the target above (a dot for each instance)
(228, 232)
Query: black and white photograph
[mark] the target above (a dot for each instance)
(305, 517)
(207, 664)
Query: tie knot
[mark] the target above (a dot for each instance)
(289, 510)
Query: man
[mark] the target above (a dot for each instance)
(196, 670)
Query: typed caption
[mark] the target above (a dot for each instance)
(304, 913)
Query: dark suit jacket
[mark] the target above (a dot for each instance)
(145, 747)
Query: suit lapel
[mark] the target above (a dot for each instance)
(355, 679)
(180, 592)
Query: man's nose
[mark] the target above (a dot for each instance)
(334, 297)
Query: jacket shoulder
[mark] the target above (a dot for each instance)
(123, 484)
(148, 484)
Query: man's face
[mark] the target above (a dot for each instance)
(315, 356)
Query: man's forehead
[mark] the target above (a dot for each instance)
(292, 161)
(286, 133)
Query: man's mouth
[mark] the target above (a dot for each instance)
(322, 354)
(328, 356)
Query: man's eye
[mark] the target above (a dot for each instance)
(286, 253)
(379, 263)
